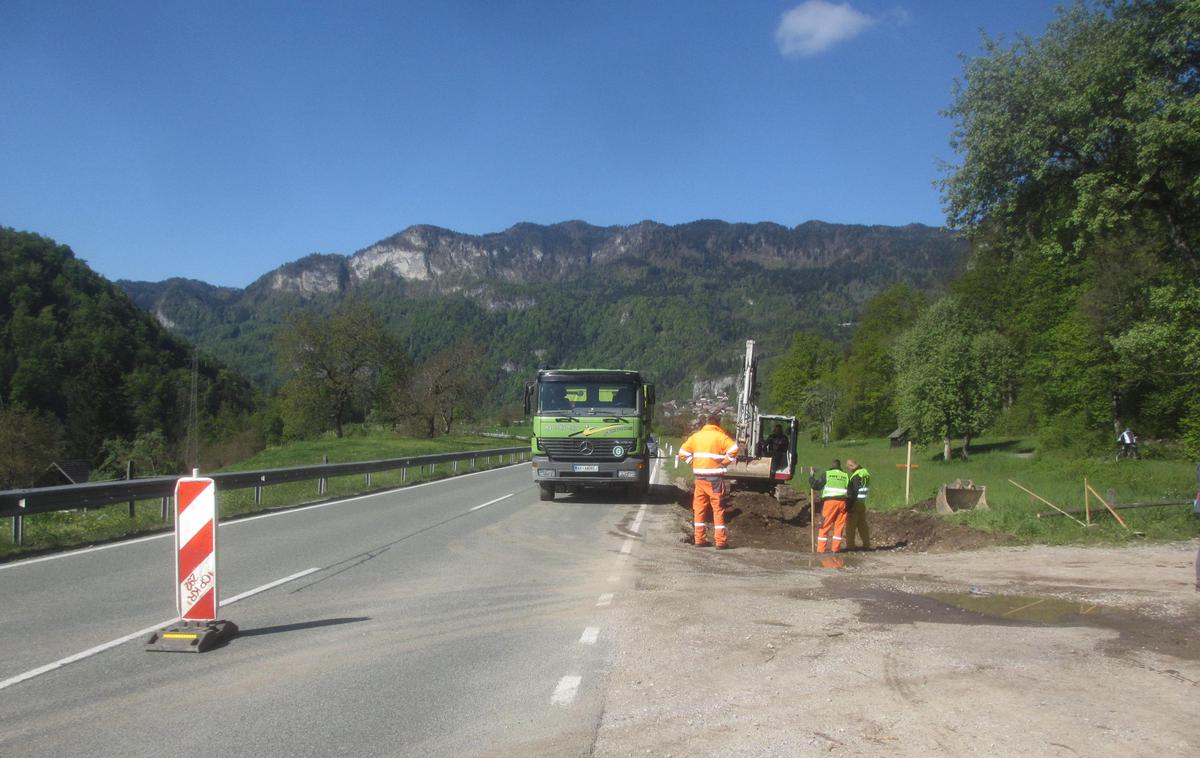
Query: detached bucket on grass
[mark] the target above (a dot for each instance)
(961, 496)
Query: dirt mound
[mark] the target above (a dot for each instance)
(759, 520)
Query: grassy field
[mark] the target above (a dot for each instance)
(996, 461)
(69, 529)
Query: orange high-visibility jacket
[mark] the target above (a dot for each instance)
(708, 451)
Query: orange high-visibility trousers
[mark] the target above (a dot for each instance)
(833, 527)
(708, 496)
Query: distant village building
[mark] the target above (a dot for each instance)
(64, 472)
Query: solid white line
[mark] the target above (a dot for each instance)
(564, 693)
(605, 599)
(490, 502)
(140, 633)
(226, 525)
(590, 635)
(266, 587)
(627, 548)
(614, 579)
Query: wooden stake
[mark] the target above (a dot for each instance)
(812, 517)
(1087, 504)
(1109, 507)
(907, 473)
(1047, 502)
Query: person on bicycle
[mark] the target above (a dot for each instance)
(1127, 441)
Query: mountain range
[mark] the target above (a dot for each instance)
(676, 301)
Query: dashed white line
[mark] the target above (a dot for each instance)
(627, 548)
(605, 599)
(590, 635)
(490, 502)
(564, 693)
(140, 633)
(637, 522)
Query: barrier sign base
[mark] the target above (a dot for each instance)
(191, 636)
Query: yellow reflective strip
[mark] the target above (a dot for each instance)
(176, 636)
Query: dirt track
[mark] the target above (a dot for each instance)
(993, 651)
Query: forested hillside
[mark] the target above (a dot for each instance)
(675, 301)
(80, 356)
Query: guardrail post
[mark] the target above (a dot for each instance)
(368, 480)
(322, 483)
(18, 532)
(128, 476)
(454, 466)
(164, 509)
(403, 474)
(258, 494)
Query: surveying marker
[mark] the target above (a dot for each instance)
(196, 591)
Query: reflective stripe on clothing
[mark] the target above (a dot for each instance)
(713, 446)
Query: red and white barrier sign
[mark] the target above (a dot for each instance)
(196, 549)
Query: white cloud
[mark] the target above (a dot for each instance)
(814, 26)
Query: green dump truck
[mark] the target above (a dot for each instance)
(591, 428)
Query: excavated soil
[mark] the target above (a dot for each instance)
(759, 520)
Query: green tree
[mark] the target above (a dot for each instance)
(1088, 131)
(29, 442)
(810, 359)
(446, 387)
(952, 375)
(335, 362)
(868, 375)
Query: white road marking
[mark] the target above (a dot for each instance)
(614, 579)
(627, 548)
(590, 635)
(269, 586)
(140, 633)
(490, 502)
(564, 693)
(226, 525)
(637, 521)
(605, 599)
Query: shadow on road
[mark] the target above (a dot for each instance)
(299, 626)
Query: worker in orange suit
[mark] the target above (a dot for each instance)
(834, 485)
(708, 452)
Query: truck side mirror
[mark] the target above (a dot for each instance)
(649, 394)
(528, 396)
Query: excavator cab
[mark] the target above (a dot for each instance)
(766, 457)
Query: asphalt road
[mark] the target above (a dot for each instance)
(455, 618)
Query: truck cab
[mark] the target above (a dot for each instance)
(591, 429)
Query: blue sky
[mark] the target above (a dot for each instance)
(220, 140)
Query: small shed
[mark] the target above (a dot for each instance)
(64, 472)
(899, 437)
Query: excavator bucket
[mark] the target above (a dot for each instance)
(961, 496)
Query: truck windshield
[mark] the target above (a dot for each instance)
(595, 398)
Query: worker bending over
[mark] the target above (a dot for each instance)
(856, 505)
(833, 485)
(708, 452)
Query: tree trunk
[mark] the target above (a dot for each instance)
(946, 448)
(966, 444)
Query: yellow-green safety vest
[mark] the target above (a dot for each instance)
(864, 486)
(837, 482)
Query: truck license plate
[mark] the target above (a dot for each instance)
(585, 469)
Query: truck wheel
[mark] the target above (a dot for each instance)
(545, 492)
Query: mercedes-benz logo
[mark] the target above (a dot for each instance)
(585, 447)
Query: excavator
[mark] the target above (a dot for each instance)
(763, 463)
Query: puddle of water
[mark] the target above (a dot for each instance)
(1041, 610)
(829, 561)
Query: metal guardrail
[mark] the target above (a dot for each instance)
(27, 502)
